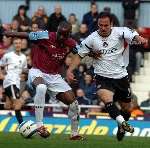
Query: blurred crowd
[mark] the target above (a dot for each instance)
(84, 87)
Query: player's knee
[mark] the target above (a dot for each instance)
(7, 106)
(41, 89)
(18, 105)
(126, 107)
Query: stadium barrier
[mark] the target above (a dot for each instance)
(102, 125)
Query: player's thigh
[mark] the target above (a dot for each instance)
(123, 93)
(105, 95)
(35, 77)
(61, 88)
(11, 92)
(67, 97)
(105, 90)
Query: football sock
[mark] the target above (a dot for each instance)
(39, 102)
(18, 116)
(114, 112)
(73, 115)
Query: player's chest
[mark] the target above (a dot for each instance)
(58, 51)
(15, 61)
(107, 45)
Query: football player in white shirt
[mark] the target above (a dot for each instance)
(106, 45)
(14, 63)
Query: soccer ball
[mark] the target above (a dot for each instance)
(27, 129)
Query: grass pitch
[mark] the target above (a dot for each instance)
(15, 140)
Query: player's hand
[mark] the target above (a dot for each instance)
(140, 40)
(95, 54)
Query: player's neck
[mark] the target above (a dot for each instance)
(106, 35)
(18, 52)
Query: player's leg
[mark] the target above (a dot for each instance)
(124, 99)
(106, 91)
(8, 103)
(35, 78)
(65, 95)
(12, 92)
(68, 98)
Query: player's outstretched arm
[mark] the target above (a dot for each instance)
(32, 35)
(16, 34)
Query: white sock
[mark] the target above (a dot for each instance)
(39, 101)
(73, 114)
(74, 127)
(120, 119)
(39, 116)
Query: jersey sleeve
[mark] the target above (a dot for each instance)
(128, 34)
(33, 36)
(85, 47)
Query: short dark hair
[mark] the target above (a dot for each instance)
(105, 14)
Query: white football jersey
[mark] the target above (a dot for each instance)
(14, 64)
(115, 57)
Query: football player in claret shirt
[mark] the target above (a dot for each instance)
(48, 52)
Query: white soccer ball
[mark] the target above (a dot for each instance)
(27, 129)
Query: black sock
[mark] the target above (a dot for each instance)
(126, 115)
(18, 116)
(112, 110)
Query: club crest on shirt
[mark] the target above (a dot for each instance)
(105, 44)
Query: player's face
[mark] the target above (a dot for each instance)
(104, 25)
(17, 44)
(61, 36)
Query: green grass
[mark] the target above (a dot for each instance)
(14, 140)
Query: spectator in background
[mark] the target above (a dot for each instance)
(40, 18)
(146, 103)
(80, 72)
(74, 23)
(55, 19)
(90, 18)
(89, 87)
(15, 26)
(34, 27)
(131, 8)
(7, 44)
(82, 99)
(25, 47)
(82, 34)
(115, 20)
(23, 19)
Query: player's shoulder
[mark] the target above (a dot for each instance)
(70, 42)
(11, 53)
(120, 29)
(93, 35)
